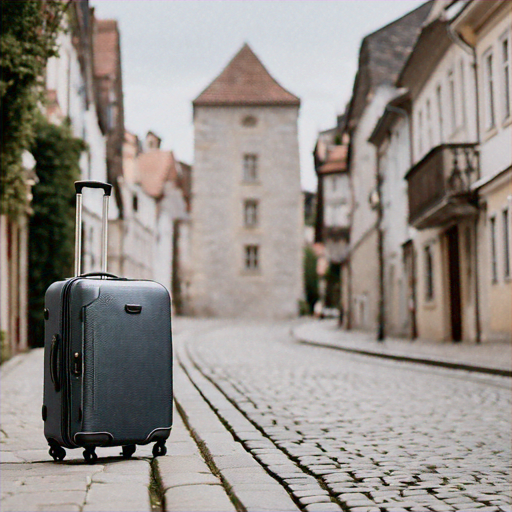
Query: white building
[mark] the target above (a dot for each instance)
(382, 56)
(392, 140)
(447, 273)
(486, 27)
(247, 215)
(71, 89)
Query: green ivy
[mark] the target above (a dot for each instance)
(52, 231)
(27, 40)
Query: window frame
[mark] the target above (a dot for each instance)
(494, 249)
(439, 98)
(453, 100)
(420, 132)
(505, 75)
(463, 105)
(250, 168)
(505, 232)
(428, 115)
(489, 89)
(251, 257)
(251, 213)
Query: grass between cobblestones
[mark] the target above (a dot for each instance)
(207, 457)
(156, 488)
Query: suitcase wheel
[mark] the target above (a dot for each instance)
(159, 449)
(90, 455)
(57, 452)
(128, 451)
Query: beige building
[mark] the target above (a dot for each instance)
(247, 215)
(452, 121)
(486, 27)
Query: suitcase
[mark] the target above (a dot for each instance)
(107, 358)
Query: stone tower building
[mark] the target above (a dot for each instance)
(246, 196)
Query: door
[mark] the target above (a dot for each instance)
(409, 263)
(452, 235)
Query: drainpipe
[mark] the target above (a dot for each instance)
(380, 249)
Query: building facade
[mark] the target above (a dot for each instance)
(247, 215)
(391, 138)
(444, 180)
(381, 57)
(486, 28)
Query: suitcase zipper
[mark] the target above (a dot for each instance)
(66, 354)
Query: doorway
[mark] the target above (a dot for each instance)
(409, 264)
(452, 236)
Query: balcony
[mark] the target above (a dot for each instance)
(439, 186)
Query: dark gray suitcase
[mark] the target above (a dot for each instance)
(108, 359)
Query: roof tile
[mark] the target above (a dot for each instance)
(245, 81)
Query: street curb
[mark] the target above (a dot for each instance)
(410, 359)
(210, 421)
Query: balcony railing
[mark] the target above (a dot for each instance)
(439, 185)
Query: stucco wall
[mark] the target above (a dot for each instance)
(220, 284)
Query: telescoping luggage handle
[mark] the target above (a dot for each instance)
(107, 189)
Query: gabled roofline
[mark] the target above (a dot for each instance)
(417, 69)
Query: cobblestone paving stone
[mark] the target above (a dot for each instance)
(366, 434)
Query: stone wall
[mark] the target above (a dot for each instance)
(221, 285)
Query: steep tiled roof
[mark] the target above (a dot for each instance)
(336, 160)
(155, 168)
(245, 81)
(382, 56)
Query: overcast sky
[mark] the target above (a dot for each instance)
(172, 49)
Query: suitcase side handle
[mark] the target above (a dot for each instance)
(79, 185)
(55, 362)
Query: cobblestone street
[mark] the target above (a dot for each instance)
(344, 431)
(265, 422)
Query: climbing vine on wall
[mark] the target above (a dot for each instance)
(27, 39)
(51, 230)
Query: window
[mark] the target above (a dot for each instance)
(250, 168)
(135, 202)
(489, 91)
(420, 133)
(429, 125)
(506, 243)
(463, 92)
(439, 97)
(251, 257)
(249, 121)
(250, 213)
(453, 110)
(505, 63)
(429, 273)
(494, 262)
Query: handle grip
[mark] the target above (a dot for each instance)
(79, 185)
(107, 189)
(101, 274)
